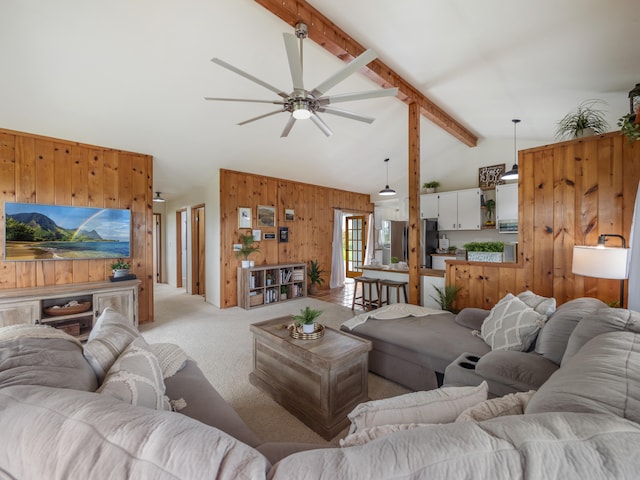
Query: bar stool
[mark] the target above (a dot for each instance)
(367, 286)
(388, 284)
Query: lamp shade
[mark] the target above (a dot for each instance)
(600, 262)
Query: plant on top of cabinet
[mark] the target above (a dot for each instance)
(430, 187)
(586, 116)
(247, 249)
(120, 268)
(484, 251)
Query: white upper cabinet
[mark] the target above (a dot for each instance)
(429, 205)
(459, 210)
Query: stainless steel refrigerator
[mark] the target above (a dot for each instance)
(395, 241)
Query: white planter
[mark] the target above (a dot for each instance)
(495, 257)
(308, 328)
(246, 263)
(120, 273)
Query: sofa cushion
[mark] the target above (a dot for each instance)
(58, 433)
(542, 305)
(433, 406)
(603, 377)
(604, 320)
(110, 335)
(553, 337)
(520, 371)
(472, 317)
(511, 325)
(52, 362)
(136, 378)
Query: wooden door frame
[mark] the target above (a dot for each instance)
(195, 270)
(157, 228)
(179, 247)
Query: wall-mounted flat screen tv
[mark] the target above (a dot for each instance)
(54, 232)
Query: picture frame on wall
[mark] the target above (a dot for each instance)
(266, 216)
(283, 234)
(244, 217)
(289, 214)
(490, 176)
(257, 234)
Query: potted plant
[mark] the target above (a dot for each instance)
(284, 289)
(120, 268)
(629, 127)
(484, 251)
(307, 319)
(490, 206)
(446, 296)
(585, 120)
(246, 249)
(314, 273)
(430, 187)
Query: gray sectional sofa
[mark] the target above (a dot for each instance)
(422, 352)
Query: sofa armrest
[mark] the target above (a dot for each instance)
(522, 371)
(471, 317)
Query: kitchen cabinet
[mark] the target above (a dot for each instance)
(429, 205)
(507, 208)
(459, 210)
(52, 305)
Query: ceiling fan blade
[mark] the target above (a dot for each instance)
(261, 116)
(321, 125)
(275, 102)
(348, 97)
(346, 114)
(248, 76)
(288, 126)
(295, 61)
(353, 66)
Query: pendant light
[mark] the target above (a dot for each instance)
(158, 198)
(513, 173)
(386, 190)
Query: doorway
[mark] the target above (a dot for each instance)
(354, 242)
(157, 247)
(181, 246)
(197, 251)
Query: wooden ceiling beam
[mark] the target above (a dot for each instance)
(328, 35)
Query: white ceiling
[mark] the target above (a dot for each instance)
(132, 75)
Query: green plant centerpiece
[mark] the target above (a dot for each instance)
(246, 249)
(307, 318)
(446, 296)
(490, 207)
(430, 187)
(629, 128)
(314, 272)
(484, 251)
(120, 268)
(585, 120)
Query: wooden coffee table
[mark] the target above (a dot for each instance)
(319, 381)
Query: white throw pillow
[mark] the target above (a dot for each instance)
(542, 305)
(108, 338)
(136, 378)
(511, 325)
(442, 405)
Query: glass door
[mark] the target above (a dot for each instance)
(354, 245)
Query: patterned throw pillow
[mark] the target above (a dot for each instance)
(111, 334)
(136, 378)
(511, 325)
(542, 305)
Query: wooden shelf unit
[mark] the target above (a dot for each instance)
(27, 305)
(262, 285)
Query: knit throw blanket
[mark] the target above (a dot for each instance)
(25, 330)
(391, 312)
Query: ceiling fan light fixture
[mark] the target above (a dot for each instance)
(513, 173)
(386, 191)
(301, 110)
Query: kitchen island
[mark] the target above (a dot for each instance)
(428, 278)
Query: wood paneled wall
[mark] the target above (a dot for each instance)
(568, 194)
(37, 169)
(310, 234)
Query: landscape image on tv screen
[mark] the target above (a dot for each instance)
(54, 232)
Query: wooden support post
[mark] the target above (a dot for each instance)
(414, 203)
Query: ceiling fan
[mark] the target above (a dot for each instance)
(302, 103)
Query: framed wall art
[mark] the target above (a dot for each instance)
(284, 234)
(289, 214)
(490, 176)
(266, 216)
(244, 217)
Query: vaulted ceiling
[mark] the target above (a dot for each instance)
(133, 75)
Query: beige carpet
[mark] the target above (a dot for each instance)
(220, 341)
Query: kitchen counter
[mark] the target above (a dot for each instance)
(425, 272)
